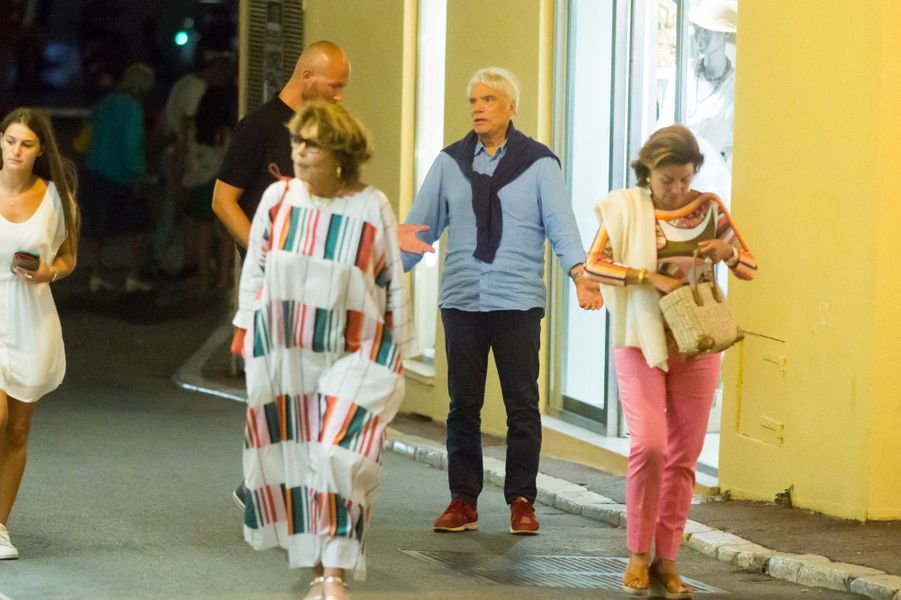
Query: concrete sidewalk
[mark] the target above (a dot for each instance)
(794, 545)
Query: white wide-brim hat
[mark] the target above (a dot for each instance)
(716, 15)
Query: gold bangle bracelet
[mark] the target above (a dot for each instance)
(734, 260)
(642, 276)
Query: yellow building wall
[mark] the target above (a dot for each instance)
(371, 32)
(816, 139)
(884, 460)
(473, 43)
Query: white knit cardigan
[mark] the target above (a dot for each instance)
(634, 310)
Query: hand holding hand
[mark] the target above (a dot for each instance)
(589, 293)
(409, 241)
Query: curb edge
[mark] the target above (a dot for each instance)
(802, 569)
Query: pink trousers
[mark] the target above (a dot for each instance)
(667, 417)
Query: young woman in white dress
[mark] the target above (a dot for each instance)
(39, 221)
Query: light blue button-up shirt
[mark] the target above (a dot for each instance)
(535, 206)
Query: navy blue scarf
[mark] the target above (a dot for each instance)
(521, 152)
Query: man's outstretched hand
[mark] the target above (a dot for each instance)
(409, 241)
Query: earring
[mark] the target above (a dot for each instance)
(338, 172)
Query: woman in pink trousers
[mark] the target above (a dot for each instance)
(644, 249)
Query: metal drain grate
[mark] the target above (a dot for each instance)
(583, 572)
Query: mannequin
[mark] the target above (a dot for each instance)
(711, 92)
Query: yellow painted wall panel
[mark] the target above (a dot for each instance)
(479, 34)
(884, 463)
(372, 34)
(805, 172)
(502, 33)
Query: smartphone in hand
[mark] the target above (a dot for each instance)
(26, 260)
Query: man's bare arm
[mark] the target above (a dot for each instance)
(226, 207)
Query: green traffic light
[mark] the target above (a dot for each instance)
(181, 38)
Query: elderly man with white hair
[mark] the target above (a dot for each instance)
(499, 194)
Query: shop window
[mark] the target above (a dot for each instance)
(429, 142)
(587, 149)
(624, 69)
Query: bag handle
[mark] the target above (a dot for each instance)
(693, 279)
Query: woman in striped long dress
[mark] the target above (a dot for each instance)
(327, 325)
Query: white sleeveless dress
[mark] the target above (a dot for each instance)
(32, 357)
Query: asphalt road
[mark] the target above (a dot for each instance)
(126, 496)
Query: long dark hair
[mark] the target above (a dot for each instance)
(51, 165)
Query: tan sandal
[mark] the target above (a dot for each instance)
(668, 585)
(334, 580)
(635, 581)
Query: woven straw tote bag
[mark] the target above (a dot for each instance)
(699, 317)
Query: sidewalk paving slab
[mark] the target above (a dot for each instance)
(710, 542)
(880, 587)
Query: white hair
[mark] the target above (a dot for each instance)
(499, 79)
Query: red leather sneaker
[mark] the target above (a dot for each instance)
(522, 517)
(459, 515)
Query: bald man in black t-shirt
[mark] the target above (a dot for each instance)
(260, 139)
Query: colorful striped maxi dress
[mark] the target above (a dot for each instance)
(328, 324)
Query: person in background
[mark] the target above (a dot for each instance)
(322, 72)
(323, 263)
(112, 203)
(212, 124)
(645, 248)
(215, 69)
(39, 221)
(500, 195)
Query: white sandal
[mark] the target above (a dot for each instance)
(335, 580)
(314, 593)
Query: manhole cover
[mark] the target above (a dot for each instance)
(584, 572)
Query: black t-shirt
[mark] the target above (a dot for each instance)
(259, 140)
